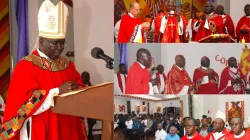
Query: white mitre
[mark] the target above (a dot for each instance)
(53, 20)
(221, 115)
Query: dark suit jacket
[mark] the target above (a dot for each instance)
(140, 130)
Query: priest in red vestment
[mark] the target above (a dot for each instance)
(161, 75)
(173, 25)
(243, 26)
(227, 22)
(36, 79)
(131, 27)
(191, 131)
(210, 23)
(120, 79)
(232, 80)
(237, 125)
(220, 132)
(178, 80)
(205, 78)
(156, 26)
(139, 80)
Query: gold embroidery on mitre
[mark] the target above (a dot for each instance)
(51, 23)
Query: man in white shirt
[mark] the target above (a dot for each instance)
(160, 134)
(160, 73)
(120, 80)
(117, 26)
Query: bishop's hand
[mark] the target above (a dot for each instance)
(211, 76)
(203, 17)
(67, 87)
(155, 81)
(145, 25)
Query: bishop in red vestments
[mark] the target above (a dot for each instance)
(139, 79)
(205, 78)
(36, 79)
(191, 130)
(210, 23)
(232, 80)
(131, 27)
(178, 81)
(227, 22)
(173, 25)
(237, 125)
(243, 26)
(220, 131)
(157, 25)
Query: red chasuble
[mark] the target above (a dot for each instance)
(196, 136)
(128, 29)
(31, 82)
(244, 137)
(157, 23)
(176, 80)
(203, 32)
(227, 75)
(244, 23)
(209, 88)
(211, 137)
(137, 80)
(230, 25)
(171, 32)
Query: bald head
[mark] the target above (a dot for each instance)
(219, 10)
(144, 57)
(205, 62)
(180, 61)
(209, 7)
(232, 62)
(134, 9)
(237, 125)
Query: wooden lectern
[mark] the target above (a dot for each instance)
(96, 102)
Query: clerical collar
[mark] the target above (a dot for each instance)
(241, 135)
(190, 137)
(205, 68)
(233, 69)
(141, 65)
(179, 68)
(130, 14)
(42, 54)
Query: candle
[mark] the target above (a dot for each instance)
(243, 40)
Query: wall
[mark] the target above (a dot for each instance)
(237, 9)
(154, 49)
(184, 98)
(92, 28)
(194, 53)
(136, 102)
(215, 103)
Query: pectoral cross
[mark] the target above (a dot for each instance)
(185, 78)
(171, 24)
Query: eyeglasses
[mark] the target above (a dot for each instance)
(56, 43)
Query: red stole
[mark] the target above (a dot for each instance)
(230, 25)
(211, 136)
(225, 77)
(127, 31)
(243, 21)
(209, 88)
(171, 33)
(120, 81)
(157, 22)
(176, 80)
(164, 77)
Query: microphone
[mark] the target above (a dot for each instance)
(98, 53)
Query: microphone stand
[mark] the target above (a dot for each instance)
(110, 66)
